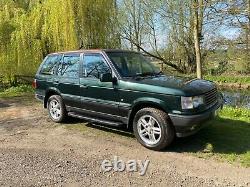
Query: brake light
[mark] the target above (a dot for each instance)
(34, 84)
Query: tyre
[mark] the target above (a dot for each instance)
(152, 128)
(56, 108)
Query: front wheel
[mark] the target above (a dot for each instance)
(56, 108)
(152, 128)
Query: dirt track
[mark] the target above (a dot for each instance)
(36, 152)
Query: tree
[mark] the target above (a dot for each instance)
(30, 29)
(139, 27)
(238, 17)
(96, 23)
(197, 5)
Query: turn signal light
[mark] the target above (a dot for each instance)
(34, 85)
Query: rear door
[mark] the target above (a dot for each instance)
(98, 96)
(47, 73)
(68, 79)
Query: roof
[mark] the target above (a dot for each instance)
(93, 51)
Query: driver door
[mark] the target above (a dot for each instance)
(97, 96)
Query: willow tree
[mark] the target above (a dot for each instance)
(26, 41)
(58, 30)
(96, 23)
(7, 12)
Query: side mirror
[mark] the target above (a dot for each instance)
(106, 77)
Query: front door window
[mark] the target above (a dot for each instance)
(95, 65)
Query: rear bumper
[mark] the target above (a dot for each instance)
(186, 125)
(39, 97)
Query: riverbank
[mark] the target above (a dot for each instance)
(232, 82)
(227, 81)
(233, 85)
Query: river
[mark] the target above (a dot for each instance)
(237, 98)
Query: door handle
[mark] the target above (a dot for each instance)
(84, 86)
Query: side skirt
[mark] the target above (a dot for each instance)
(97, 117)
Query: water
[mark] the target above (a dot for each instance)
(237, 98)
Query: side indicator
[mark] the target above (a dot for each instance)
(34, 84)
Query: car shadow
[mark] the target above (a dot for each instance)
(220, 136)
(4, 105)
(120, 130)
(123, 131)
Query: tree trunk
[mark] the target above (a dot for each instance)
(248, 28)
(197, 40)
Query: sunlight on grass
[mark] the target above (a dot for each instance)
(226, 138)
(229, 79)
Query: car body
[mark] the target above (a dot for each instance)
(114, 87)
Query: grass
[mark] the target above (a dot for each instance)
(16, 91)
(226, 138)
(229, 79)
(220, 78)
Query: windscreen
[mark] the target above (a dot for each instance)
(130, 64)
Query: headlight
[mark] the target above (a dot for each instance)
(191, 102)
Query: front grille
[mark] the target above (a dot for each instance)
(211, 97)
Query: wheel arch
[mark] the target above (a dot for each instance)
(152, 103)
(50, 92)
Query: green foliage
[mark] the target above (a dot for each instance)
(30, 29)
(16, 91)
(229, 79)
(243, 64)
(236, 114)
(96, 20)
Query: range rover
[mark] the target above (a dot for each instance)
(123, 88)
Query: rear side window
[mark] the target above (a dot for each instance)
(50, 65)
(70, 66)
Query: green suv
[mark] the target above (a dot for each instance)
(118, 87)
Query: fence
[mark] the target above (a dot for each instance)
(23, 79)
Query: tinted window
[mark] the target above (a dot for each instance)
(95, 65)
(50, 65)
(69, 67)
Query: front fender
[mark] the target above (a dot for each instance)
(151, 102)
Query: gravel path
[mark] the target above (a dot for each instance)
(36, 152)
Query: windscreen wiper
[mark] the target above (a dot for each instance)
(143, 75)
(159, 73)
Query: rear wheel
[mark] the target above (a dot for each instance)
(152, 128)
(56, 108)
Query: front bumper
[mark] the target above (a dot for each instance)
(186, 125)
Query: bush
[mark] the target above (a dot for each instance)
(16, 91)
(243, 65)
